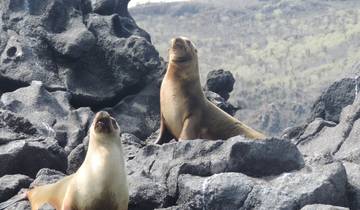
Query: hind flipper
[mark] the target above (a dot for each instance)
(52, 194)
(165, 135)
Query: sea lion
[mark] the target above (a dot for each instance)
(185, 111)
(99, 183)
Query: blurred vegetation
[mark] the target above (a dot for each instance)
(283, 53)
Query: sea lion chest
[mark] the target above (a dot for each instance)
(174, 104)
(101, 180)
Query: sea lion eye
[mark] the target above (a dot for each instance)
(114, 124)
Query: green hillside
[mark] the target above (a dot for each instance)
(283, 53)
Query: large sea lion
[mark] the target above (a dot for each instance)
(185, 111)
(99, 183)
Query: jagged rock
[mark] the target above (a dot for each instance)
(98, 59)
(47, 176)
(330, 104)
(28, 157)
(14, 127)
(11, 184)
(139, 114)
(117, 66)
(220, 102)
(220, 82)
(323, 207)
(350, 149)
(37, 104)
(73, 131)
(44, 176)
(74, 42)
(108, 7)
(312, 129)
(353, 177)
(159, 166)
(17, 202)
(50, 112)
(320, 184)
(131, 145)
(331, 139)
(293, 132)
(76, 158)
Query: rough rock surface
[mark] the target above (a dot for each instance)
(330, 104)
(11, 184)
(220, 82)
(142, 110)
(159, 167)
(73, 46)
(63, 60)
(323, 141)
(221, 102)
(51, 112)
(323, 207)
(288, 191)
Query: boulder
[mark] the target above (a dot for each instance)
(320, 184)
(44, 176)
(139, 114)
(220, 82)
(323, 207)
(71, 46)
(10, 185)
(29, 156)
(109, 7)
(221, 102)
(331, 102)
(15, 127)
(353, 177)
(158, 167)
(51, 113)
(331, 139)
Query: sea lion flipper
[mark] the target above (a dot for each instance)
(50, 193)
(190, 129)
(164, 134)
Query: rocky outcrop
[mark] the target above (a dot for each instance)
(323, 141)
(73, 46)
(160, 168)
(63, 60)
(220, 82)
(323, 207)
(331, 102)
(12, 184)
(218, 86)
(288, 191)
(221, 102)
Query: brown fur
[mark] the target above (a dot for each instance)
(185, 111)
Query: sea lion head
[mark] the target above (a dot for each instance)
(104, 124)
(182, 51)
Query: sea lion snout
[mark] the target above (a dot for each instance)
(104, 123)
(181, 50)
(177, 42)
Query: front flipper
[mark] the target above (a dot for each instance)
(164, 135)
(190, 130)
(52, 194)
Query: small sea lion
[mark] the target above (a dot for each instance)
(99, 183)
